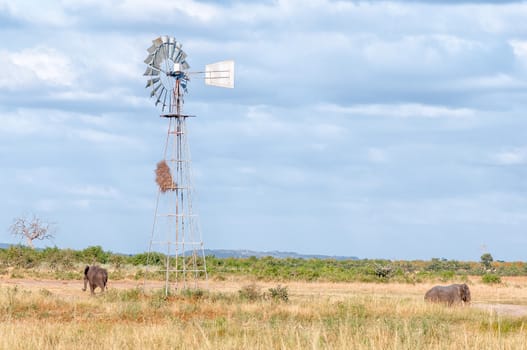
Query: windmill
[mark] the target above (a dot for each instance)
(176, 241)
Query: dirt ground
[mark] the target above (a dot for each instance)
(73, 289)
(503, 309)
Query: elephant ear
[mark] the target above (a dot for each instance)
(86, 270)
(464, 291)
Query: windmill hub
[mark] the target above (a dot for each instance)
(177, 74)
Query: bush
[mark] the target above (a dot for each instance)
(21, 257)
(95, 254)
(447, 276)
(279, 293)
(490, 278)
(144, 259)
(382, 272)
(250, 292)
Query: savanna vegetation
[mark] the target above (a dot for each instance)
(256, 303)
(66, 264)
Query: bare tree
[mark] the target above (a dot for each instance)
(32, 228)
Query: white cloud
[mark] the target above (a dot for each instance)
(417, 51)
(98, 137)
(483, 208)
(53, 205)
(34, 67)
(45, 13)
(376, 155)
(68, 126)
(93, 191)
(47, 205)
(111, 96)
(324, 130)
(519, 48)
(408, 110)
(511, 157)
(144, 9)
(495, 81)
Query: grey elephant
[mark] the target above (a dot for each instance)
(452, 294)
(96, 276)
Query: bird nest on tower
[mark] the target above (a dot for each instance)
(164, 177)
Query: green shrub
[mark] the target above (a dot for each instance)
(95, 254)
(447, 276)
(152, 258)
(279, 293)
(21, 257)
(490, 278)
(116, 260)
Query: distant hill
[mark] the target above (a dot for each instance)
(243, 253)
(240, 253)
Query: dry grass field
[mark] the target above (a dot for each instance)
(51, 314)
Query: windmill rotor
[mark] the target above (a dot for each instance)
(166, 69)
(168, 75)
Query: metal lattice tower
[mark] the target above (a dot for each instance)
(176, 246)
(175, 231)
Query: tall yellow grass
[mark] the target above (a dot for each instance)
(317, 316)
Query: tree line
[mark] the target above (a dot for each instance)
(268, 268)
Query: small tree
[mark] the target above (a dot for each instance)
(486, 261)
(31, 229)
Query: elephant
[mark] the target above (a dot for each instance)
(96, 276)
(452, 294)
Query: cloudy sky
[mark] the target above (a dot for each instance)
(366, 128)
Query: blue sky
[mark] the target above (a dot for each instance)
(367, 128)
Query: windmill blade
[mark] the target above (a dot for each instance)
(160, 95)
(150, 70)
(220, 74)
(157, 42)
(175, 54)
(180, 57)
(152, 49)
(154, 90)
(164, 102)
(171, 46)
(184, 65)
(149, 59)
(159, 58)
(151, 82)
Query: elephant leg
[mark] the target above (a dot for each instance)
(92, 288)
